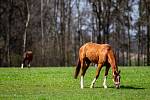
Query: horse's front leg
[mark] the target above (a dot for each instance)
(97, 75)
(82, 81)
(23, 62)
(104, 83)
(105, 77)
(29, 64)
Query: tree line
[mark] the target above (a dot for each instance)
(55, 29)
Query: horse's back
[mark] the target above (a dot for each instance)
(28, 55)
(94, 47)
(94, 52)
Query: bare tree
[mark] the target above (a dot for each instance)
(147, 6)
(42, 34)
(26, 25)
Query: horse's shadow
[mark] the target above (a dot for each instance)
(124, 87)
(131, 87)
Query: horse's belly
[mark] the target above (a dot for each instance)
(96, 57)
(93, 57)
(94, 61)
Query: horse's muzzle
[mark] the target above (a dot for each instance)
(117, 85)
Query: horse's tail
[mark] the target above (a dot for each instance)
(77, 69)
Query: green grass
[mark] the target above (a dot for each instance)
(58, 84)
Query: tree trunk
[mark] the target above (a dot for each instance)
(139, 36)
(147, 6)
(42, 35)
(62, 32)
(7, 49)
(26, 26)
(68, 36)
(148, 34)
(129, 39)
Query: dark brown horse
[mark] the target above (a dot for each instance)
(27, 58)
(100, 54)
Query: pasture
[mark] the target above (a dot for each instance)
(58, 83)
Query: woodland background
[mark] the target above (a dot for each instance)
(55, 29)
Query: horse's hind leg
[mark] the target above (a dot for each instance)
(106, 73)
(84, 67)
(22, 65)
(97, 75)
(29, 64)
(82, 73)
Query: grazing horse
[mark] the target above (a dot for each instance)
(27, 57)
(100, 54)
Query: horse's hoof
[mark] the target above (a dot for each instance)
(91, 86)
(105, 87)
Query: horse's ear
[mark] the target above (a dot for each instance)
(115, 72)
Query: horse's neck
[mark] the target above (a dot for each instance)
(114, 68)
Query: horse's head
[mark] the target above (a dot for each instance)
(116, 76)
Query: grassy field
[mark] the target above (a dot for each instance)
(57, 83)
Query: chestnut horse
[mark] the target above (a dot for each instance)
(27, 57)
(100, 54)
